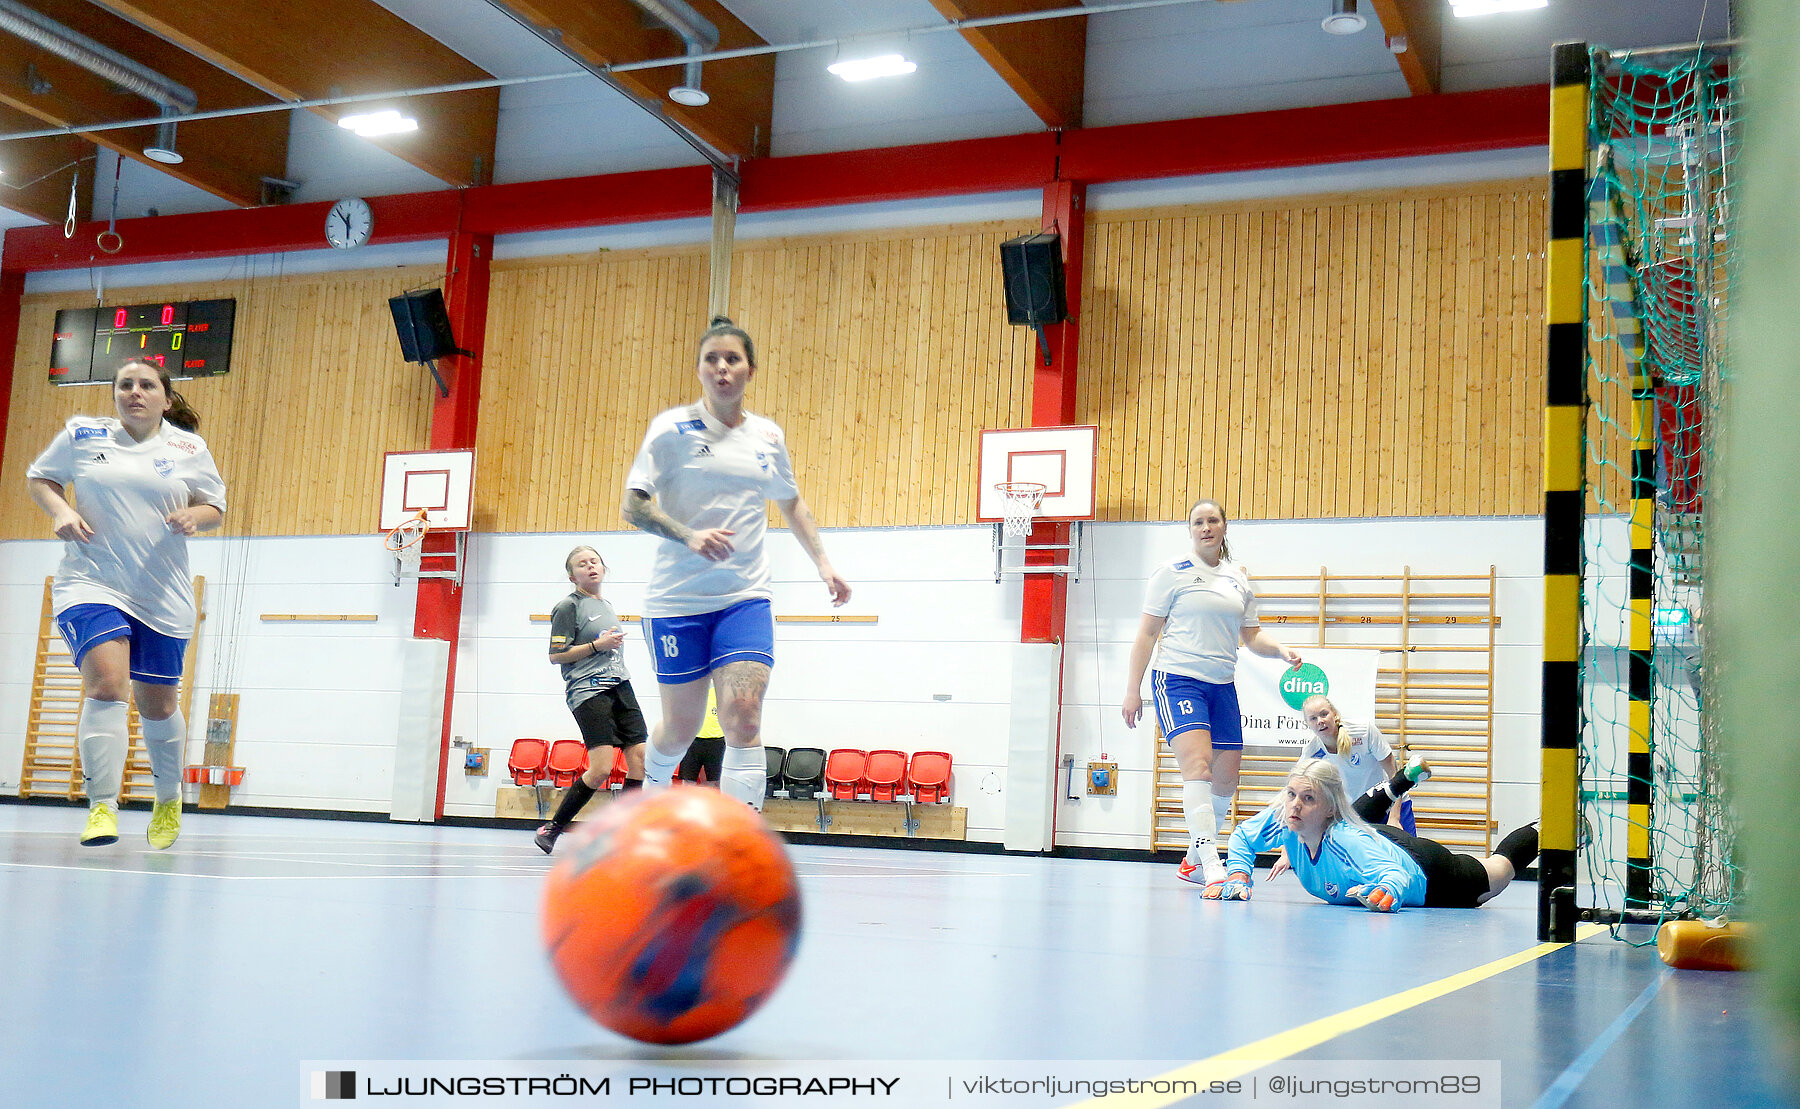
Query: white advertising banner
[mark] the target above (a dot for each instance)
(1270, 692)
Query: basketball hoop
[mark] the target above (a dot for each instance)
(407, 544)
(1022, 500)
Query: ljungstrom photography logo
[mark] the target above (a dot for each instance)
(333, 1085)
(1299, 684)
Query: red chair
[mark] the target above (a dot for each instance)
(526, 762)
(929, 776)
(616, 780)
(844, 773)
(885, 774)
(568, 761)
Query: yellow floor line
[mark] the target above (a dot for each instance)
(1240, 1061)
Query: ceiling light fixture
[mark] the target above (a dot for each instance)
(1344, 18)
(375, 124)
(866, 69)
(1490, 7)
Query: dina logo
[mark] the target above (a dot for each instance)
(1298, 685)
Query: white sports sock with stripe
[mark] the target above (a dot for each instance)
(104, 743)
(744, 774)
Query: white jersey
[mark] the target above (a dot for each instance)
(125, 491)
(1205, 609)
(1362, 767)
(707, 475)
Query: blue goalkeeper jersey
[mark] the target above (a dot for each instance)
(1348, 856)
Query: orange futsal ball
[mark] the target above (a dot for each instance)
(673, 915)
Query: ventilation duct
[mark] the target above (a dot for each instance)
(697, 34)
(171, 96)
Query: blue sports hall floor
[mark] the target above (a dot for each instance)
(261, 952)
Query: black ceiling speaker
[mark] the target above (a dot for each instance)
(423, 325)
(1032, 266)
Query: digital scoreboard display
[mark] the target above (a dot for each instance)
(189, 338)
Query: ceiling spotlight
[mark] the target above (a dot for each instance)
(1344, 19)
(374, 124)
(1489, 7)
(163, 149)
(865, 69)
(690, 95)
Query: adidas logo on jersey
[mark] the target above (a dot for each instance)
(99, 458)
(703, 451)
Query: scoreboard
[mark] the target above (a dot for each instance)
(189, 338)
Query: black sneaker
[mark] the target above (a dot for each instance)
(546, 838)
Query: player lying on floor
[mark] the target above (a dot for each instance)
(1341, 858)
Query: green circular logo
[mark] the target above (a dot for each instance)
(1298, 685)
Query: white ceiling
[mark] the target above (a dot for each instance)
(1199, 59)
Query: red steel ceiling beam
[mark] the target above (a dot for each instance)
(1449, 123)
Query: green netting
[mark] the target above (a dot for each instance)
(1663, 150)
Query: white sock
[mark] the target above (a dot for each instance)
(1221, 809)
(1201, 821)
(104, 742)
(744, 774)
(164, 741)
(659, 769)
(1200, 817)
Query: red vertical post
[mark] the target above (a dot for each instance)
(1044, 609)
(12, 292)
(454, 419)
(1044, 605)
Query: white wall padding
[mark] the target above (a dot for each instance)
(420, 734)
(1031, 746)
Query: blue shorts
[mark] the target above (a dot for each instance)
(1184, 703)
(155, 657)
(688, 648)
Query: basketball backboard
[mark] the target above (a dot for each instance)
(1061, 459)
(442, 483)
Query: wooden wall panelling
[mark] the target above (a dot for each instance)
(1322, 356)
(1165, 441)
(1393, 363)
(1393, 359)
(1293, 265)
(1368, 351)
(1193, 401)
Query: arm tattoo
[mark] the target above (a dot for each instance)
(643, 514)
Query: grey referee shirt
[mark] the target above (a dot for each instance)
(576, 619)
